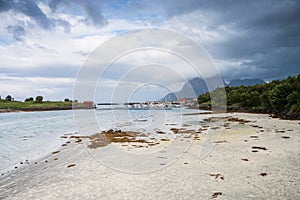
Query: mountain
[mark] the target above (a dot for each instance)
(196, 86)
(245, 82)
(191, 89)
(170, 97)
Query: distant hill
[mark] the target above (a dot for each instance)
(197, 86)
(193, 88)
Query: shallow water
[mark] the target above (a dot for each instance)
(31, 135)
(34, 135)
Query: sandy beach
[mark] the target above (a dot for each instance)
(254, 156)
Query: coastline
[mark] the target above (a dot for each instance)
(41, 109)
(285, 115)
(254, 157)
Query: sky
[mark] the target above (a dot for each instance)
(44, 43)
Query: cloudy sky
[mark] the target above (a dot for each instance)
(43, 43)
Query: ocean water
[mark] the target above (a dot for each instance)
(31, 135)
(34, 135)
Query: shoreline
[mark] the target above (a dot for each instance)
(284, 115)
(41, 109)
(255, 156)
(280, 115)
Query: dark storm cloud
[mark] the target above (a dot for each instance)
(17, 32)
(53, 5)
(30, 8)
(92, 9)
(263, 35)
(267, 34)
(5, 5)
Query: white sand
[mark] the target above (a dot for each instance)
(187, 177)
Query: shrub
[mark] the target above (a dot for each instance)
(29, 99)
(8, 98)
(39, 99)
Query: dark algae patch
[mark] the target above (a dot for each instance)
(216, 194)
(263, 174)
(113, 136)
(259, 148)
(71, 165)
(217, 175)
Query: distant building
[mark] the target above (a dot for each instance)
(181, 100)
(89, 104)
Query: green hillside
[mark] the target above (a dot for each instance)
(274, 97)
(39, 105)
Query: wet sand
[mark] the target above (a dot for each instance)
(254, 157)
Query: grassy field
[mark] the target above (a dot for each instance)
(32, 105)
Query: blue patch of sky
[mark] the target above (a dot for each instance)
(124, 9)
(6, 41)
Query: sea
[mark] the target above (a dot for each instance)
(29, 136)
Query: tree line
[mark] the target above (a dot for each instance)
(38, 99)
(275, 96)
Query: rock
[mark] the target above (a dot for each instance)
(217, 176)
(260, 148)
(160, 132)
(216, 194)
(175, 130)
(263, 174)
(71, 165)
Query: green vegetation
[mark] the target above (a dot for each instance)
(33, 105)
(8, 98)
(276, 96)
(29, 104)
(39, 99)
(29, 99)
